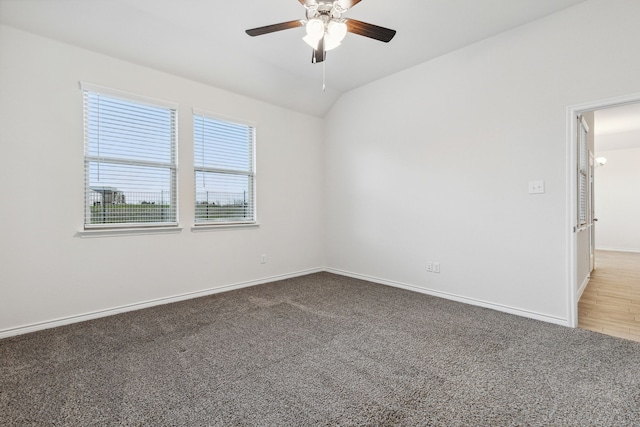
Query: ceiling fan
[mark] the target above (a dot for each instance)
(326, 28)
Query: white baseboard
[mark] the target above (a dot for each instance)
(618, 250)
(5, 333)
(472, 301)
(583, 287)
(19, 330)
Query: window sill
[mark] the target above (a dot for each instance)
(109, 232)
(220, 227)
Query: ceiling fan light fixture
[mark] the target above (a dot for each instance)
(330, 42)
(315, 31)
(337, 30)
(313, 42)
(315, 28)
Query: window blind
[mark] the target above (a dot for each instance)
(583, 171)
(224, 171)
(130, 162)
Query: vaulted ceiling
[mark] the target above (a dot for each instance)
(204, 40)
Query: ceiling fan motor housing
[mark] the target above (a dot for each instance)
(325, 11)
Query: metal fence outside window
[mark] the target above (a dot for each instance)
(109, 206)
(212, 206)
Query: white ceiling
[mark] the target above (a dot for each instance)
(625, 118)
(204, 40)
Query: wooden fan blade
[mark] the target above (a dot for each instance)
(275, 27)
(348, 4)
(369, 30)
(308, 3)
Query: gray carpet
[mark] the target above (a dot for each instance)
(319, 350)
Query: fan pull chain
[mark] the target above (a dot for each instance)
(323, 76)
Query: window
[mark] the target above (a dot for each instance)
(224, 170)
(129, 160)
(583, 173)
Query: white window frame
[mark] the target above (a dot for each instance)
(89, 89)
(249, 173)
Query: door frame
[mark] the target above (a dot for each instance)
(592, 209)
(572, 192)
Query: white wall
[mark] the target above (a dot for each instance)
(617, 200)
(433, 163)
(48, 273)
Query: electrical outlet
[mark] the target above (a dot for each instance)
(536, 187)
(263, 259)
(436, 267)
(429, 266)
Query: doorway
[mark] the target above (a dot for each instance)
(605, 296)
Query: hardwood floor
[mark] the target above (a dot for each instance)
(611, 301)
